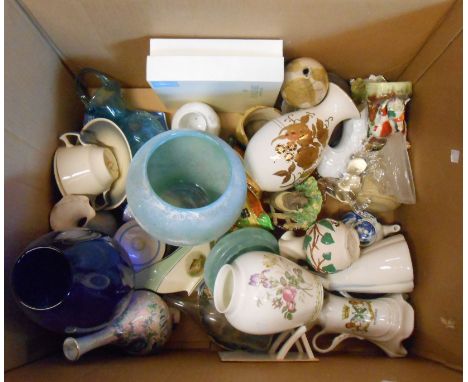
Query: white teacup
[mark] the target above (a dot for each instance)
(83, 168)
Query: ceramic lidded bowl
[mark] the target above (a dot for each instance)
(186, 187)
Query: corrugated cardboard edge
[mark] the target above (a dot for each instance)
(438, 43)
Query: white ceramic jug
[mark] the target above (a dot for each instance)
(385, 321)
(335, 159)
(384, 267)
(287, 149)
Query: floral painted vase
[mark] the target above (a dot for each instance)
(145, 326)
(328, 246)
(385, 321)
(286, 150)
(262, 293)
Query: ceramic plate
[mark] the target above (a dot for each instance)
(234, 244)
(107, 133)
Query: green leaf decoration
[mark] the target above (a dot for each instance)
(284, 309)
(327, 239)
(283, 281)
(289, 316)
(307, 240)
(327, 256)
(278, 291)
(330, 268)
(327, 224)
(264, 221)
(287, 274)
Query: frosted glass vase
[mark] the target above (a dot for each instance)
(186, 187)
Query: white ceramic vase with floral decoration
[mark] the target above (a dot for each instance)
(263, 293)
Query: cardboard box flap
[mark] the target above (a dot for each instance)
(353, 38)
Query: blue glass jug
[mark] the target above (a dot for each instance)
(138, 126)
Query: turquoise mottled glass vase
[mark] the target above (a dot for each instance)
(186, 187)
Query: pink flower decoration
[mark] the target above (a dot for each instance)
(289, 294)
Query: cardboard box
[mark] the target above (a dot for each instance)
(420, 41)
(229, 75)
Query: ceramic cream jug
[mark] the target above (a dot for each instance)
(144, 326)
(328, 246)
(262, 293)
(286, 150)
(385, 321)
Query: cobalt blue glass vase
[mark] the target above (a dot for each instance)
(74, 281)
(186, 187)
(138, 126)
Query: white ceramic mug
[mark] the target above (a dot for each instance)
(385, 321)
(83, 168)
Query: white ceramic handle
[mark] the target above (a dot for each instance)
(100, 202)
(336, 341)
(65, 139)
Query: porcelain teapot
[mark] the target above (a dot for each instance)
(328, 246)
(286, 150)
